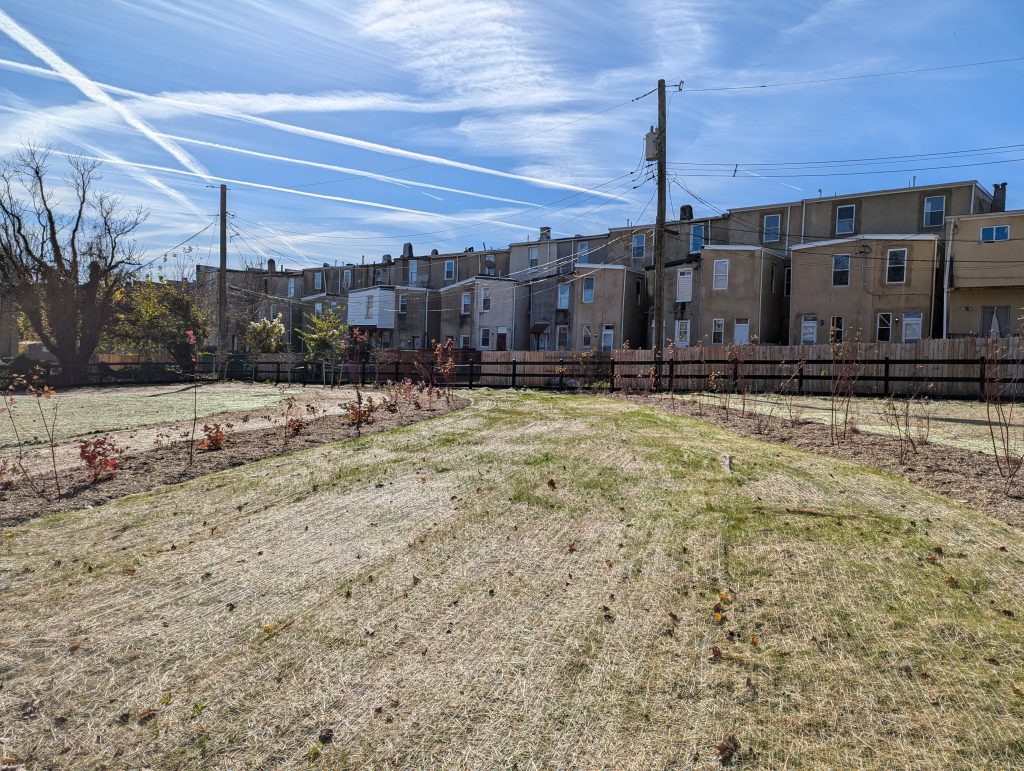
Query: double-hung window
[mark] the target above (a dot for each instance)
(772, 228)
(883, 328)
(696, 238)
(995, 233)
(563, 297)
(467, 303)
(684, 285)
(588, 289)
(896, 266)
(717, 331)
(607, 337)
(485, 337)
(318, 309)
(485, 299)
(588, 336)
(682, 332)
(413, 271)
(378, 275)
(534, 256)
(934, 211)
(291, 287)
(463, 341)
(808, 330)
(720, 279)
(449, 270)
(639, 245)
(836, 332)
(403, 303)
(583, 252)
(318, 281)
(562, 337)
(846, 216)
(346, 279)
(840, 270)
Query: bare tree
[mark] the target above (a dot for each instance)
(62, 263)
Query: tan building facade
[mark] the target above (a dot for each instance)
(870, 288)
(485, 313)
(984, 276)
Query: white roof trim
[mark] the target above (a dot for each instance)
(472, 279)
(732, 247)
(869, 237)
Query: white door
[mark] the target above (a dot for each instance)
(808, 331)
(912, 326)
(741, 331)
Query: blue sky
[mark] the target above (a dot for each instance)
(450, 124)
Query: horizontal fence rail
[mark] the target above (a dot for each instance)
(960, 368)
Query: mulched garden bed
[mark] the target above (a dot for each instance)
(963, 475)
(168, 464)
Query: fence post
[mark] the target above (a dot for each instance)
(735, 375)
(362, 372)
(657, 372)
(981, 378)
(885, 377)
(513, 373)
(470, 373)
(800, 377)
(671, 375)
(396, 369)
(611, 373)
(561, 374)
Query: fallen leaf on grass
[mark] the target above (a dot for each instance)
(727, 749)
(754, 640)
(75, 645)
(716, 653)
(326, 735)
(551, 483)
(146, 715)
(572, 547)
(952, 582)
(268, 628)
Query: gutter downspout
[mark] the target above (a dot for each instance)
(426, 316)
(947, 275)
(789, 219)
(760, 296)
(803, 219)
(622, 312)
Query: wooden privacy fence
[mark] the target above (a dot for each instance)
(937, 368)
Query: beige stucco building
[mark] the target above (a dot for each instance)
(485, 313)
(984, 276)
(869, 288)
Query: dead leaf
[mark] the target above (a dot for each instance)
(146, 715)
(326, 735)
(754, 640)
(75, 645)
(727, 749)
(952, 582)
(716, 653)
(551, 483)
(572, 547)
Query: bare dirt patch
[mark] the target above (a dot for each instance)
(159, 455)
(965, 475)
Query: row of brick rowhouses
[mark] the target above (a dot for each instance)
(887, 266)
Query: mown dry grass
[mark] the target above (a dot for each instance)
(530, 581)
(86, 412)
(952, 422)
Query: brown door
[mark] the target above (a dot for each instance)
(501, 341)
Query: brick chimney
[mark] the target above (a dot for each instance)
(407, 250)
(999, 197)
(685, 213)
(545, 234)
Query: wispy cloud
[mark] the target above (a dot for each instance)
(79, 80)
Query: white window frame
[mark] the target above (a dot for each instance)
(318, 309)
(413, 271)
(718, 331)
(563, 297)
(403, 303)
(562, 337)
(318, 281)
(736, 324)
(273, 311)
(775, 229)
(583, 252)
(720, 277)
(684, 285)
(845, 270)
(586, 337)
(485, 337)
(291, 287)
(682, 337)
(449, 270)
(607, 337)
(994, 233)
(346, 279)
(378, 275)
(878, 326)
(915, 316)
(463, 341)
(485, 299)
(639, 246)
(889, 266)
(927, 211)
(852, 219)
(467, 304)
(534, 256)
(834, 327)
(588, 287)
(697, 238)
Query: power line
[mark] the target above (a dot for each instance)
(854, 77)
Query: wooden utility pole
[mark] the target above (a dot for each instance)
(222, 278)
(659, 228)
